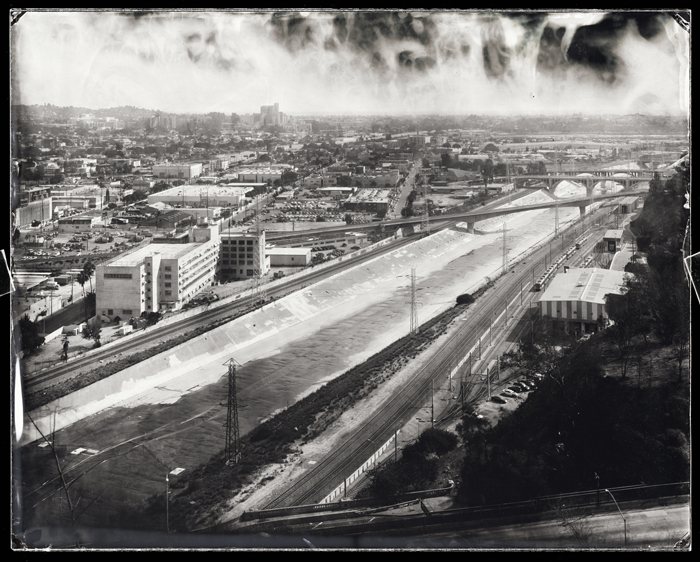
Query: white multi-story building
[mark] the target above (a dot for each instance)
(241, 254)
(162, 275)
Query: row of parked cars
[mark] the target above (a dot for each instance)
(525, 384)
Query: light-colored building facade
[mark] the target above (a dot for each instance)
(185, 172)
(202, 196)
(289, 257)
(162, 275)
(242, 254)
(577, 297)
(78, 224)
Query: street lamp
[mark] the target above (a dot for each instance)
(623, 517)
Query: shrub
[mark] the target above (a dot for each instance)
(466, 298)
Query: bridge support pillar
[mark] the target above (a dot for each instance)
(470, 227)
(582, 210)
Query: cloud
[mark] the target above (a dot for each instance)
(352, 62)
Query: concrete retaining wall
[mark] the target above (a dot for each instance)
(221, 342)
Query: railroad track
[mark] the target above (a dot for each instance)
(315, 484)
(221, 313)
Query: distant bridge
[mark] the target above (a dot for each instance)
(470, 217)
(625, 177)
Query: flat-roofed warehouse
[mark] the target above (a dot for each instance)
(372, 200)
(577, 297)
(202, 196)
(300, 257)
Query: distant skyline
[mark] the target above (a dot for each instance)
(354, 63)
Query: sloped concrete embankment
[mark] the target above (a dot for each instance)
(224, 341)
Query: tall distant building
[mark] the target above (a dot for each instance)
(271, 115)
(164, 121)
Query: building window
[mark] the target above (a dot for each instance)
(168, 284)
(127, 311)
(168, 276)
(168, 268)
(110, 312)
(250, 242)
(250, 262)
(249, 272)
(241, 242)
(168, 293)
(118, 276)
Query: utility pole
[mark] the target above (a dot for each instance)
(425, 218)
(233, 439)
(432, 403)
(260, 291)
(414, 304)
(167, 504)
(488, 383)
(556, 219)
(505, 250)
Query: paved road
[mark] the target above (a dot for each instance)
(647, 529)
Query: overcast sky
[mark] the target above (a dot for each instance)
(354, 62)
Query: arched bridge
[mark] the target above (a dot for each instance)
(593, 177)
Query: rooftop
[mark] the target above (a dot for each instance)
(584, 284)
(613, 233)
(167, 251)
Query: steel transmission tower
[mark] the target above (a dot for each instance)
(233, 439)
(260, 291)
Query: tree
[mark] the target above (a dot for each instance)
(88, 270)
(152, 318)
(623, 329)
(93, 332)
(487, 171)
(31, 340)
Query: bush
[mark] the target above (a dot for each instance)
(117, 319)
(466, 298)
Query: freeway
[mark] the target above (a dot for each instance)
(483, 213)
(396, 411)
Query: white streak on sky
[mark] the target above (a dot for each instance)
(234, 62)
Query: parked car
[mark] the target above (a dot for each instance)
(499, 400)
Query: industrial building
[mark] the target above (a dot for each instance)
(78, 224)
(577, 297)
(186, 172)
(242, 254)
(613, 240)
(369, 200)
(202, 196)
(162, 275)
(289, 257)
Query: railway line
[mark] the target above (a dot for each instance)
(315, 484)
(32, 381)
